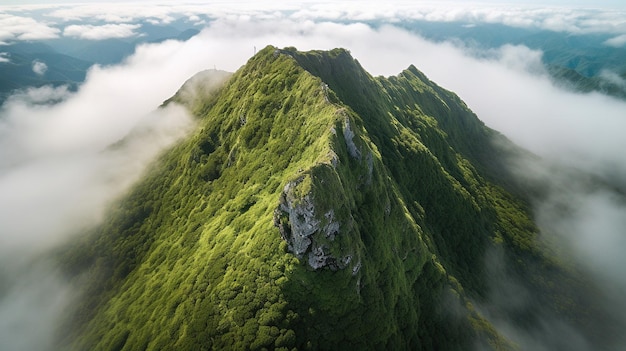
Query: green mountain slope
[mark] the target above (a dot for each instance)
(314, 207)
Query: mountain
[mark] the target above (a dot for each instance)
(18, 72)
(581, 60)
(318, 207)
(67, 59)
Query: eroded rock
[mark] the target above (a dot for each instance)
(307, 233)
(348, 135)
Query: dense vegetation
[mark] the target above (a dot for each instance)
(193, 257)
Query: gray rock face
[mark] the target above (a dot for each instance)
(307, 234)
(348, 135)
(301, 220)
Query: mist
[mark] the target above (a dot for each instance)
(58, 172)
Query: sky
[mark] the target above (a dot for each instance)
(570, 3)
(56, 163)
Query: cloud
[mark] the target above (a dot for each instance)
(106, 31)
(38, 96)
(50, 151)
(4, 57)
(115, 12)
(613, 78)
(617, 41)
(532, 327)
(39, 68)
(24, 28)
(561, 19)
(30, 305)
(565, 18)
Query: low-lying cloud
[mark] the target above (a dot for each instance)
(118, 13)
(14, 27)
(106, 31)
(617, 41)
(601, 19)
(39, 67)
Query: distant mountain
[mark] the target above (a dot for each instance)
(103, 52)
(18, 73)
(571, 79)
(318, 207)
(68, 59)
(586, 55)
(114, 50)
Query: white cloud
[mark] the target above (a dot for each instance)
(24, 28)
(617, 41)
(613, 78)
(116, 12)
(106, 31)
(592, 19)
(562, 19)
(4, 57)
(39, 96)
(39, 67)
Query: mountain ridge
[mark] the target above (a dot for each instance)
(314, 207)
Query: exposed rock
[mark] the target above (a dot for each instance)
(332, 227)
(318, 259)
(356, 268)
(307, 234)
(324, 88)
(301, 222)
(348, 135)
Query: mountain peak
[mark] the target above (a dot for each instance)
(314, 207)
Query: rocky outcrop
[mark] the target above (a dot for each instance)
(296, 220)
(309, 232)
(348, 135)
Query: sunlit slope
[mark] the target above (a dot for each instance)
(314, 207)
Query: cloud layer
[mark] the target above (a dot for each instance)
(15, 26)
(106, 31)
(617, 41)
(4, 57)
